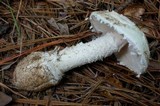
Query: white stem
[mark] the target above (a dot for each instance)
(92, 51)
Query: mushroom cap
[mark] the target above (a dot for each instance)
(135, 55)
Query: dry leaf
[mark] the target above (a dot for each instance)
(154, 65)
(53, 23)
(135, 11)
(4, 99)
(150, 32)
(107, 94)
(147, 31)
(62, 28)
(114, 82)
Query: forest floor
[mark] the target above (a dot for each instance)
(40, 25)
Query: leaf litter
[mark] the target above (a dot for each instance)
(30, 26)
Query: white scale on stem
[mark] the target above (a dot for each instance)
(40, 70)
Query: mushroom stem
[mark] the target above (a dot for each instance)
(92, 51)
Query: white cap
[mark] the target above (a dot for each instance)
(135, 55)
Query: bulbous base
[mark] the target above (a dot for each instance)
(35, 72)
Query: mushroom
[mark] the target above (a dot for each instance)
(120, 36)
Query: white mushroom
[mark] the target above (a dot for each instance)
(40, 70)
(136, 54)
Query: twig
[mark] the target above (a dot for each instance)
(4, 86)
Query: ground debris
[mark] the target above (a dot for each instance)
(31, 25)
